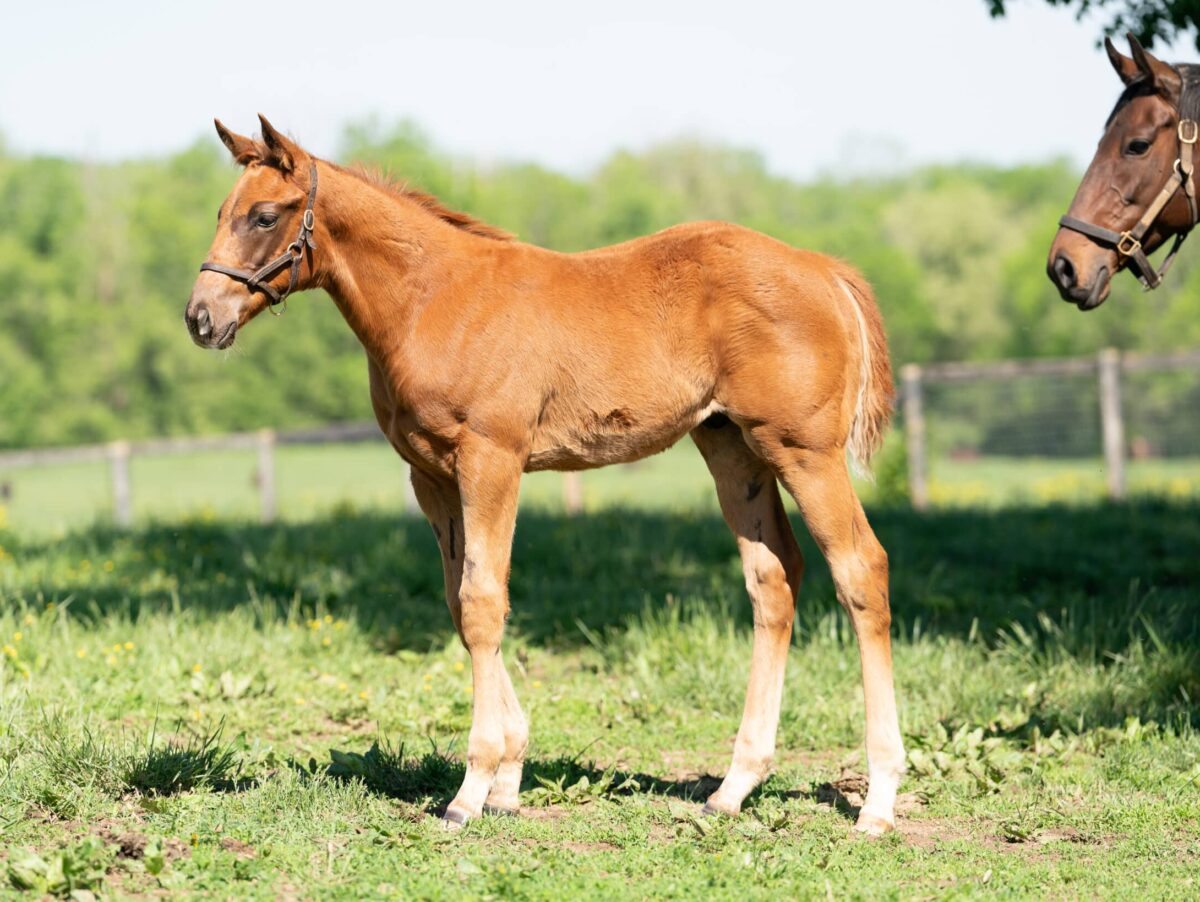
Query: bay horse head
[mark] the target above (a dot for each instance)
(264, 239)
(1139, 190)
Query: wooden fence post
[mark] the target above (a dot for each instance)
(122, 485)
(265, 477)
(572, 486)
(1112, 425)
(914, 435)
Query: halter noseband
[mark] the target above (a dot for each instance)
(293, 256)
(1128, 244)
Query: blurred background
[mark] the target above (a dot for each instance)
(931, 144)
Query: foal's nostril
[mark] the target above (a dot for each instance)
(203, 323)
(1064, 271)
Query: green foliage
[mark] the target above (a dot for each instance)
(97, 261)
(1149, 20)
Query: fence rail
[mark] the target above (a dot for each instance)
(1109, 368)
(119, 455)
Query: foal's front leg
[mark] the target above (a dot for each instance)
(488, 483)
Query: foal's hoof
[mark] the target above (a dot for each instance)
(454, 820)
(873, 826)
(711, 810)
(497, 811)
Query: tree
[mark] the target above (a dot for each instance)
(1148, 20)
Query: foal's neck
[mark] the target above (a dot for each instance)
(380, 257)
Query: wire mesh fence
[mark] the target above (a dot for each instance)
(1044, 430)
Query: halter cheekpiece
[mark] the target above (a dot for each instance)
(1128, 244)
(293, 256)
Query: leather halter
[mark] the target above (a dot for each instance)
(1128, 244)
(293, 256)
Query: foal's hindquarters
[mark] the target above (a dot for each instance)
(806, 379)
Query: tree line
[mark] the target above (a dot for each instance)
(97, 260)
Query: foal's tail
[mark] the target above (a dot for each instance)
(876, 392)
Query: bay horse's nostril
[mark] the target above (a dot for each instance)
(199, 321)
(1064, 272)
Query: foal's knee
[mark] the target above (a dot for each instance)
(769, 586)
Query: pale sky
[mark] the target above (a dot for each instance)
(847, 87)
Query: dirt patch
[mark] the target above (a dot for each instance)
(849, 791)
(132, 845)
(545, 813)
(241, 849)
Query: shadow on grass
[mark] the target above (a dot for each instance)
(433, 778)
(1100, 571)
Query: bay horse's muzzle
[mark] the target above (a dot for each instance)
(1087, 292)
(206, 330)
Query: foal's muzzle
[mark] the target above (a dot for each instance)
(205, 330)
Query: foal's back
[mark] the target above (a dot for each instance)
(625, 349)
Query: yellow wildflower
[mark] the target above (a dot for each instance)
(363, 695)
(300, 701)
(81, 653)
(108, 566)
(9, 651)
(537, 684)
(343, 687)
(111, 660)
(18, 636)
(458, 666)
(129, 646)
(28, 620)
(326, 642)
(329, 618)
(197, 668)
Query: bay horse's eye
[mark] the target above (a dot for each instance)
(266, 220)
(1137, 147)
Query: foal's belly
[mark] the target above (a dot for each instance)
(615, 436)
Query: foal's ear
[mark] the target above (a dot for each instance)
(1126, 68)
(281, 152)
(1164, 78)
(245, 150)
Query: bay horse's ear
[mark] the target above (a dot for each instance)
(282, 153)
(1126, 68)
(245, 150)
(1164, 78)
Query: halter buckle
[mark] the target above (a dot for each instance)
(1189, 131)
(310, 220)
(1127, 246)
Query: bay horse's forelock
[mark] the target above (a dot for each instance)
(489, 358)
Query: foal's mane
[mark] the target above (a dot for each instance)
(378, 179)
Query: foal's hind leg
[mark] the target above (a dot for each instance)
(819, 482)
(772, 565)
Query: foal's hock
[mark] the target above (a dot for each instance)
(489, 358)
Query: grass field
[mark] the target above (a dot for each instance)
(316, 480)
(230, 710)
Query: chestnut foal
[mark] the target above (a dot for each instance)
(490, 358)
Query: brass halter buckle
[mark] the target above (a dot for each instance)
(1189, 131)
(1128, 245)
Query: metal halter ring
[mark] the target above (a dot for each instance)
(1184, 126)
(1128, 245)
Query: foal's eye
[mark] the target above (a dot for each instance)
(1137, 147)
(266, 220)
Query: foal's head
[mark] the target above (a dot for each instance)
(1135, 160)
(256, 225)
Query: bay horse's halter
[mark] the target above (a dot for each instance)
(293, 256)
(1128, 244)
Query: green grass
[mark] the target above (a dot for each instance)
(316, 480)
(231, 710)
